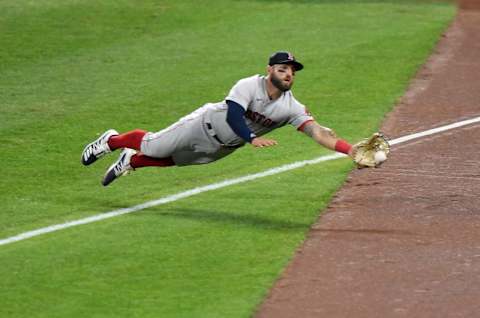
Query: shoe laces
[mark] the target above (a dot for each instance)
(94, 149)
(121, 167)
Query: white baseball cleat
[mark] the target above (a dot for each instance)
(98, 148)
(120, 168)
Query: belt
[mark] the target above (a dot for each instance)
(211, 132)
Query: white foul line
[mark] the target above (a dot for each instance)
(219, 185)
(434, 130)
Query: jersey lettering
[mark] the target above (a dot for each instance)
(259, 118)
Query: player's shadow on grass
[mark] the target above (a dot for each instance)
(237, 218)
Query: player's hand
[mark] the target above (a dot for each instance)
(263, 142)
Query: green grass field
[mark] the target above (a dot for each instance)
(71, 69)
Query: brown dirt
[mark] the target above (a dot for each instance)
(469, 4)
(404, 240)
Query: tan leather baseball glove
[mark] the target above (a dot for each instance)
(372, 151)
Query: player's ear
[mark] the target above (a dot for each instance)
(269, 69)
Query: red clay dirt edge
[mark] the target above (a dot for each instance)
(403, 240)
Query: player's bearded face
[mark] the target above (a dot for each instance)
(282, 76)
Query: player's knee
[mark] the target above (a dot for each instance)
(140, 131)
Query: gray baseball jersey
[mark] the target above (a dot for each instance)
(205, 136)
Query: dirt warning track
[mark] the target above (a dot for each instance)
(404, 240)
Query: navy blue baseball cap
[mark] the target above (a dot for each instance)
(284, 57)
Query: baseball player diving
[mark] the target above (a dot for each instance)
(254, 106)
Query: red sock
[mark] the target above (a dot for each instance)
(131, 139)
(140, 160)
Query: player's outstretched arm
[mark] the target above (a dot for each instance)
(327, 138)
(370, 152)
